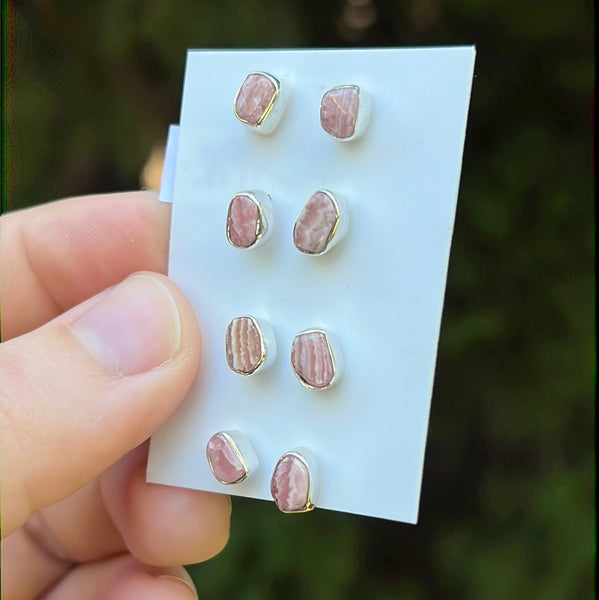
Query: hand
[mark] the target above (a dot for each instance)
(95, 357)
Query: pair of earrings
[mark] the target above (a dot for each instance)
(261, 100)
(293, 484)
(321, 224)
(250, 348)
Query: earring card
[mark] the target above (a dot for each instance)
(379, 292)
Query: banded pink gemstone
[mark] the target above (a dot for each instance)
(312, 360)
(254, 98)
(339, 111)
(224, 459)
(243, 221)
(290, 484)
(244, 346)
(315, 226)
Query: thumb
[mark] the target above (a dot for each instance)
(83, 390)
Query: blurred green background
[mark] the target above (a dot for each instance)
(507, 511)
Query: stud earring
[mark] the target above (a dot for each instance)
(260, 102)
(249, 220)
(250, 345)
(316, 360)
(345, 112)
(321, 224)
(294, 481)
(231, 457)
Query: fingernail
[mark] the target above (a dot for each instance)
(180, 574)
(132, 328)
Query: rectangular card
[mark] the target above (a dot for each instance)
(379, 292)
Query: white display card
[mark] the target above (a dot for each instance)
(379, 291)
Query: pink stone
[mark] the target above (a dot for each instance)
(225, 460)
(255, 97)
(244, 345)
(290, 484)
(339, 111)
(316, 224)
(243, 221)
(312, 360)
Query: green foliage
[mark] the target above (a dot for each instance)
(507, 505)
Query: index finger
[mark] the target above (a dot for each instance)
(55, 256)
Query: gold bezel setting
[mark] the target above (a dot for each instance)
(262, 345)
(268, 346)
(362, 117)
(272, 113)
(309, 462)
(334, 353)
(338, 230)
(263, 203)
(235, 449)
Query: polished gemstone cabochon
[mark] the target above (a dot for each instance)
(293, 484)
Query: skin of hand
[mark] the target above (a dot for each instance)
(98, 349)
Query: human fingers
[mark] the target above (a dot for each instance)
(83, 390)
(160, 525)
(56, 255)
(119, 512)
(123, 577)
(164, 525)
(74, 530)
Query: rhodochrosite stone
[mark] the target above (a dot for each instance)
(244, 345)
(290, 484)
(315, 226)
(312, 360)
(224, 459)
(243, 221)
(339, 111)
(255, 96)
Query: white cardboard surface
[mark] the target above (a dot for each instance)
(169, 169)
(380, 291)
